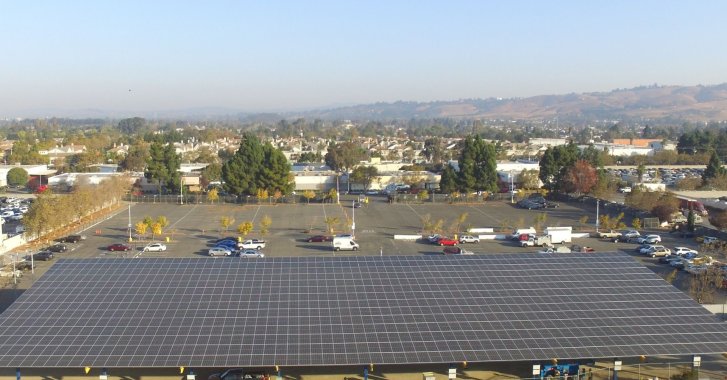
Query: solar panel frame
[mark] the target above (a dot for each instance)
(206, 312)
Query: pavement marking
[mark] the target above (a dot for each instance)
(485, 214)
(255, 216)
(184, 216)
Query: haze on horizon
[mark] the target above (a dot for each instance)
(258, 56)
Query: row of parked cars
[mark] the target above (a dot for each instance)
(536, 202)
(231, 246)
(449, 242)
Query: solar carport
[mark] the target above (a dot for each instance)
(343, 311)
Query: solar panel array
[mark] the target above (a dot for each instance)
(227, 312)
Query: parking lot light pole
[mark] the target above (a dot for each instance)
(353, 219)
(597, 218)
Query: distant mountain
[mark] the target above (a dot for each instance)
(656, 103)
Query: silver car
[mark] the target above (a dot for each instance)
(219, 251)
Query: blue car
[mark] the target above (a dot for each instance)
(227, 244)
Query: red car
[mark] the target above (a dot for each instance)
(119, 247)
(447, 241)
(456, 251)
(319, 239)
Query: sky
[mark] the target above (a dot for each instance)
(270, 56)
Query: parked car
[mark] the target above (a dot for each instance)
(250, 253)
(229, 238)
(468, 239)
(229, 244)
(659, 251)
(72, 239)
(446, 241)
(630, 233)
(43, 256)
(155, 247)
(118, 247)
(709, 240)
(58, 248)
(319, 239)
(252, 244)
(456, 251)
(433, 238)
(647, 249)
(219, 251)
(239, 374)
(649, 239)
(681, 251)
(669, 258)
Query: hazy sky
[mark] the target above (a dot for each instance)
(281, 55)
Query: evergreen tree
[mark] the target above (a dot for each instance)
(257, 167)
(714, 168)
(448, 181)
(163, 165)
(466, 178)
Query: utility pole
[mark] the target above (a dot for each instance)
(129, 222)
(353, 219)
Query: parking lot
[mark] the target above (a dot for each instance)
(193, 228)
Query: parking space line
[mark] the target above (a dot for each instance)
(183, 216)
(255, 216)
(485, 214)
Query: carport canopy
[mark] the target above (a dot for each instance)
(316, 311)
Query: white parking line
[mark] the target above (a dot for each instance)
(184, 216)
(485, 214)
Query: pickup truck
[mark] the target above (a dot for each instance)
(252, 244)
(540, 241)
(608, 235)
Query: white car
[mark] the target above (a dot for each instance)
(630, 234)
(219, 251)
(155, 247)
(681, 251)
(245, 253)
(468, 239)
(649, 239)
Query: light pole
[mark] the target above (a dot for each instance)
(353, 219)
(512, 188)
(181, 195)
(597, 219)
(338, 192)
(130, 222)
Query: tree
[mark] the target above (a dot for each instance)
(156, 229)
(344, 156)
(310, 157)
(163, 221)
(554, 165)
(333, 195)
(308, 195)
(132, 126)
(211, 173)
(364, 175)
(331, 223)
(17, 177)
(691, 225)
(136, 157)
(423, 195)
(528, 179)
(433, 150)
(140, 227)
(636, 223)
(714, 168)
(245, 228)
(477, 166)
(448, 181)
(702, 285)
(163, 165)
(226, 222)
(580, 178)
(265, 223)
(665, 208)
(256, 166)
(213, 195)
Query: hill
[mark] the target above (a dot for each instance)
(653, 103)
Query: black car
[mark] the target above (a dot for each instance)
(58, 248)
(43, 256)
(71, 239)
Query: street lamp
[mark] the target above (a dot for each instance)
(353, 219)
(512, 188)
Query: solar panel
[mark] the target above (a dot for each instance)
(224, 312)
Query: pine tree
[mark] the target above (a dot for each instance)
(714, 168)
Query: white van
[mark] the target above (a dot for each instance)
(344, 244)
(520, 231)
